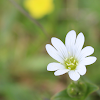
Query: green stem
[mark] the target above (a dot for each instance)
(28, 16)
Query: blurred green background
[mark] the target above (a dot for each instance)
(23, 58)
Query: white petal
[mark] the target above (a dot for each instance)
(54, 53)
(61, 72)
(81, 69)
(59, 45)
(70, 38)
(88, 60)
(74, 75)
(86, 52)
(80, 41)
(75, 51)
(70, 41)
(54, 66)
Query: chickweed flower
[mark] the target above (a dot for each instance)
(72, 59)
(39, 8)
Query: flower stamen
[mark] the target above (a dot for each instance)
(71, 63)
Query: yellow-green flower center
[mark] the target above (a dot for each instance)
(71, 63)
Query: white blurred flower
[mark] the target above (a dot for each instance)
(71, 57)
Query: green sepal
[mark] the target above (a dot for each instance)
(86, 88)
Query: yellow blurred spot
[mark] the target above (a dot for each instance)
(39, 8)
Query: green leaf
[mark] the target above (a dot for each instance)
(82, 86)
(63, 95)
(90, 88)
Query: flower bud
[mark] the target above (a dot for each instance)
(76, 89)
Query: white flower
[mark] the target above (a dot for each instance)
(71, 57)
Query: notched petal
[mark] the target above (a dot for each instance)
(89, 60)
(74, 75)
(80, 41)
(60, 47)
(81, 69)
(54, 53)
(61, 72)
(54, 66)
